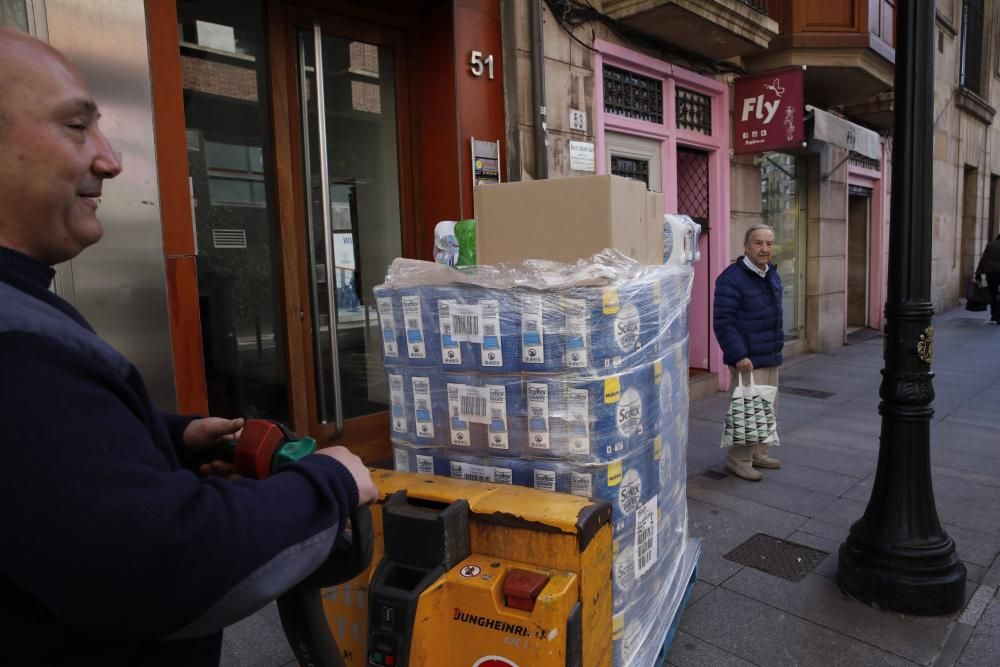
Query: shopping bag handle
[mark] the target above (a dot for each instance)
(739, 378)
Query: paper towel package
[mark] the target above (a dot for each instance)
(565, 378)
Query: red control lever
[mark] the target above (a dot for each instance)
(255, 449)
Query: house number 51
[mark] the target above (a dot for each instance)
(478, 64)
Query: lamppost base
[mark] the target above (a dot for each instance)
(924, 581)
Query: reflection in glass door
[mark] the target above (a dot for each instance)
(348, 101)
(783, 202)
(223, 63)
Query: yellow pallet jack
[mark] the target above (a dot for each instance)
(468, 574)
(443, 572)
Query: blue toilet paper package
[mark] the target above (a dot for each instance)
(390, 319)
(445, 304)
(608, 417)
(564, 378)
(428, 398)
(420, 326)
(424, 460)
(486, 413)
(542, 331)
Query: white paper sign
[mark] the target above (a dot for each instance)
(581, 156)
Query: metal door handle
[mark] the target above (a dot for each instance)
(331, 281)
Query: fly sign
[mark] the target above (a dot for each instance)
(769, 110)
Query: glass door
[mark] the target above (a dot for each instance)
(348, 97)
(783, 207)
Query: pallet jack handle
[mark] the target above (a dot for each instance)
(301, 608)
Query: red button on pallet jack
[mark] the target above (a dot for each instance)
(522, 587)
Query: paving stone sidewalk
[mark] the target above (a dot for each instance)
(829, 426)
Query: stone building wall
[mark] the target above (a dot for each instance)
(966, 162)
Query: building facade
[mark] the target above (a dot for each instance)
(280, 153)
(966, 164)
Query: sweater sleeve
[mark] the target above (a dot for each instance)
(724, 314)
(105, 531)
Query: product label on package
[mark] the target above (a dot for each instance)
(538, 415)
(627, 329)
(480, 473)
(451, 351)
(578, 420)
(414, 327)
(492, 353)
(388, 321)
(474, 403)
(498, 417)
(401, 457)
(532, 331)
(629, 413)
(576, 333)
(545, 480)
(467, 322)
(645, 537)
(581, 484)
(456, 420)
(630, 491)
(422, 407)
(425, 464)
(397, 400)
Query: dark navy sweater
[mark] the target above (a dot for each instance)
(747, 315)
(112, 553)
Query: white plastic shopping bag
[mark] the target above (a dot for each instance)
(750, 419)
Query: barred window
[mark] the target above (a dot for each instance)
(632, 95)
(694, 111)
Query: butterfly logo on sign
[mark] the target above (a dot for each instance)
(775, 87)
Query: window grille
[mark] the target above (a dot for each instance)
(632, 95)
(234, 239)
(633, 168)
(970, 76)
(694, 111)
(692, 184)
(859, 160)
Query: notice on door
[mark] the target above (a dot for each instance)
(581, 156)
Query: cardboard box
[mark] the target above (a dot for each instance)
(566, 219)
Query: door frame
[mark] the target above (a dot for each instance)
(714, 246)
(365, 435)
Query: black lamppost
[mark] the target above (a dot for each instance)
(897, 556)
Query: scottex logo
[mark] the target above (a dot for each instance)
(489, 623)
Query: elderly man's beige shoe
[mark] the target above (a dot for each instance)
(738, 462)
(762, 460)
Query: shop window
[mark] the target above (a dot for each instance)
(692, 185)
(632, 95)
(235, 174)
(970, 76)
(694, 111)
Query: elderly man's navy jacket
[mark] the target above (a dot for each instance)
(747, 315)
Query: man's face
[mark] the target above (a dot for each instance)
(53, 157)
(760, 248)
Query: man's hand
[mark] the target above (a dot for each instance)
(744, 365)
(202, 434)
(366, 487)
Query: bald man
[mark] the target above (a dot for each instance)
(112, 552)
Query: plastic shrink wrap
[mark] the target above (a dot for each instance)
(569, 378)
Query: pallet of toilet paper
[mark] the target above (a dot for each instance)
(569, 378)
